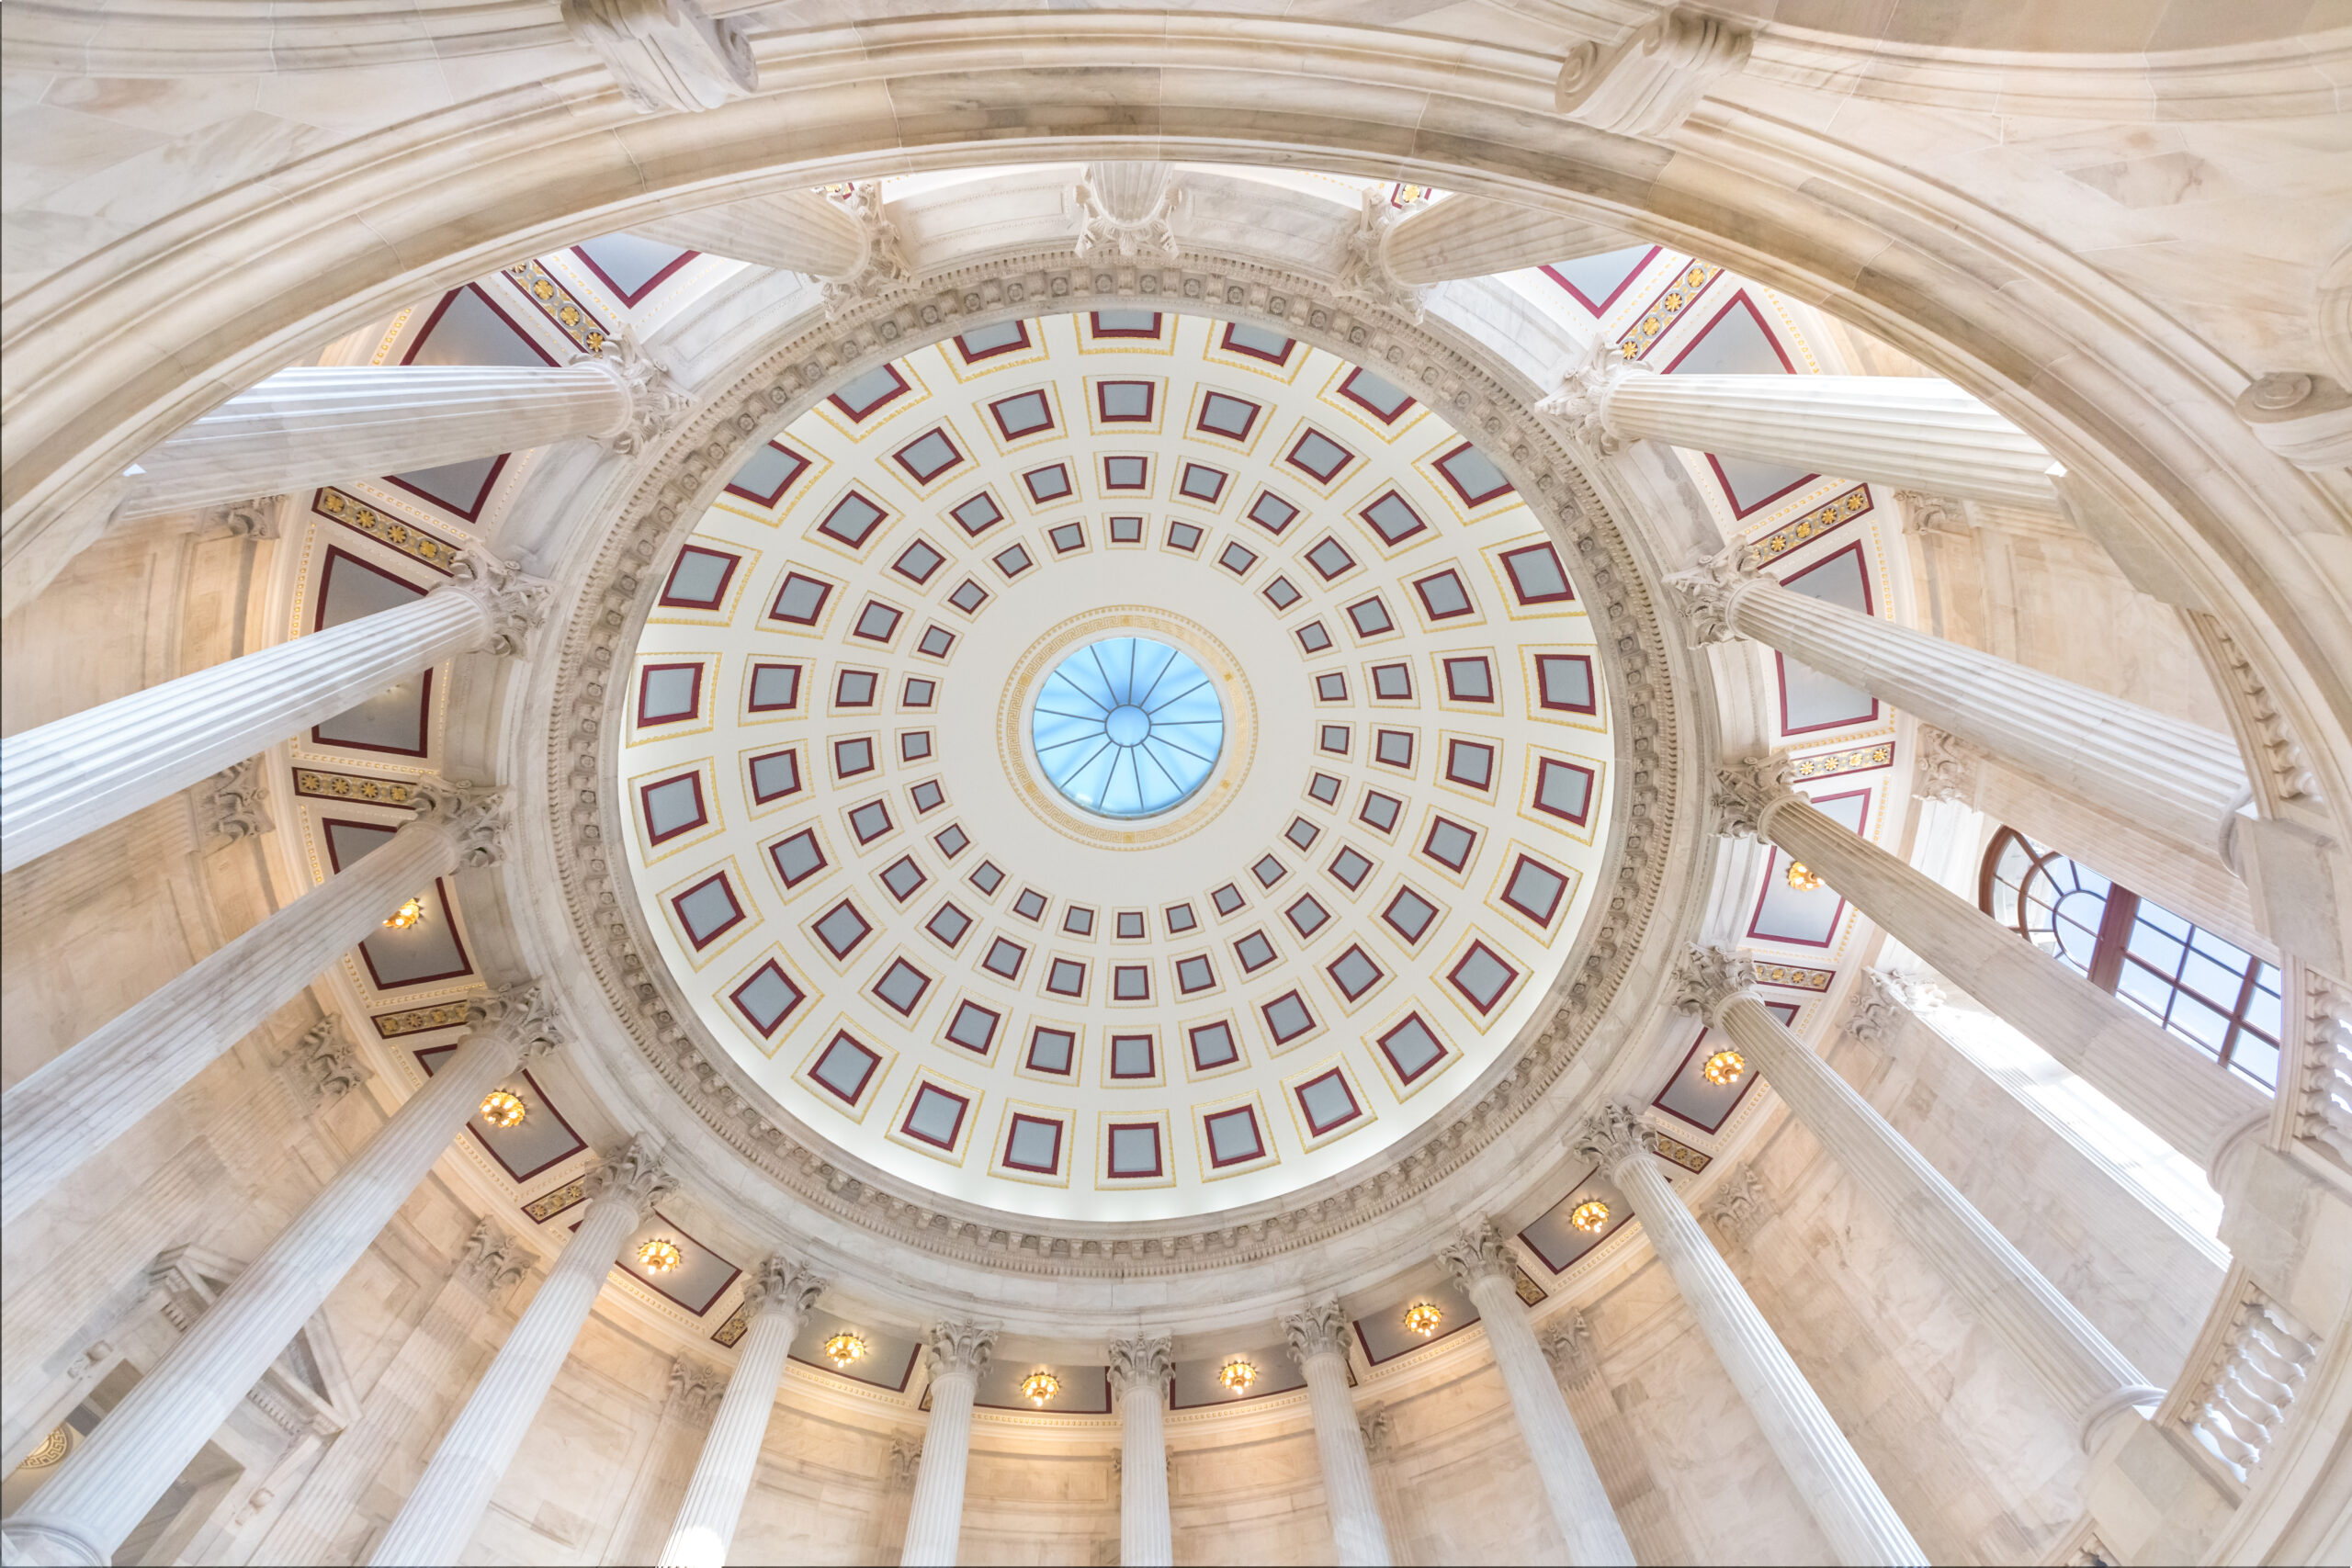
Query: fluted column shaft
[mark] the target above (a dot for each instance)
(1862, 1526)
(1579, 1503)
(2189, 1101)
(2087, 1377)
(1914, 431)
(798, 231)
(76, 1103)
(1477, 236)
(731, 1454)
(107, 1486)
(316, 425)
(1139, 1373)
(2180, 779)
(439, 1517)
(935, 1516)
(1319, 1342)
(68, 777)
(432, 1352)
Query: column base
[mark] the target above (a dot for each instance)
(32, 1543)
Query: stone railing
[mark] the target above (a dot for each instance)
(2323, 1119)
(2256, 1375)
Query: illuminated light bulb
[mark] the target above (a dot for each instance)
(1422, 1318)
(501, 1109)
(1804, 878)
(844, 1348)
(1236, 1375)
(1725, 1068)
(660, 1256)
(1589, 1215)
(407, 915)
(1039, 1387)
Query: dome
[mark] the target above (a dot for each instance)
(870, 848)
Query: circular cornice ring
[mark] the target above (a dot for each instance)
(676, 482)
(1029, 783)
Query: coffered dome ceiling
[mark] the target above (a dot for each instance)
(1297, 926)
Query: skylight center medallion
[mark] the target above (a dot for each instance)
(1128, 727)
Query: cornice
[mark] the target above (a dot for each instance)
(676, 482)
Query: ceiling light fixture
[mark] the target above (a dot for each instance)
(502, 1108)
(1804, 878)
(1039, 1387)
(1724, 1068)
(844, 1348)
(407, 915)
(1589, 1215)
(660, 1256)
(1236, 1375)
(1422, 1318)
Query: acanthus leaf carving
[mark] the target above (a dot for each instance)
(475, 815)
(1614, 1134)
(778, 1284)
(1478, 1252)
(513, 603)
(695, 1388)
(652, 401)
(1945, 767)
(636, 1177)
(1363, 272)
(236, 801)
(1143, 1364)
(1709, 595)
(953, 1348)
(1709, 978)
(1739, 1206)
(1127, 210)
(884, 265)
(491, 1260)
(1747, 791)
(1579, 404)
(330, 1063)
(1319, 1330)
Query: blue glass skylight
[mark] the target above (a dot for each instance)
(1128, 727)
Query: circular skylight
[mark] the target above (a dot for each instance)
(1128, 727)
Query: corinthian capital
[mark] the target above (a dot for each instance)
(653, 399)
(1321, 1330)
(474, 814)
(634, 1176)
(524, 1013)
(1749, 791)
(1709, 595)
(1580, 402)
(1946, 768)
(1882, 1001)
(330, 1067)
(949, 1348)
(514, 602)
(885, 262)
(1477, 1252)
(1614, 1134)
(1143, 1364)
(695, 1388)
(778, 1284)
(1364, 272)
(1568, 1347)
(1127, 209)
(1707, 979)
(1740, 1207)
(491, 1260)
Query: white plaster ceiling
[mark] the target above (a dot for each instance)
(1247, 825)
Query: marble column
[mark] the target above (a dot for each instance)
(1481, 1264)
(796, 230)
(318, 425)
(1319, 1342)
(432, 1352)
(2084, 1375)
(2177, 1093)
(102, 1492)
(1140, 1368)
(1477, 236)
(1914, 431)
(1635, 1496)
(778, 1295)
(2175, 778)
(66, 778)
(659, 1486)
(66, 1110)
(1862, 1526)
(438, 1519)
(954, 1354)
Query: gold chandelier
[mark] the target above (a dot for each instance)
(1422, 1318)
(1236, 1375)
(844, 1348)
(502, 1108)
(660, 1256)
(407, 915)
(1804, 878)
(1723, 1068)
(1589, 1215)
(1039, 1387)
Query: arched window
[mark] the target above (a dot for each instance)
(2212, 994)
